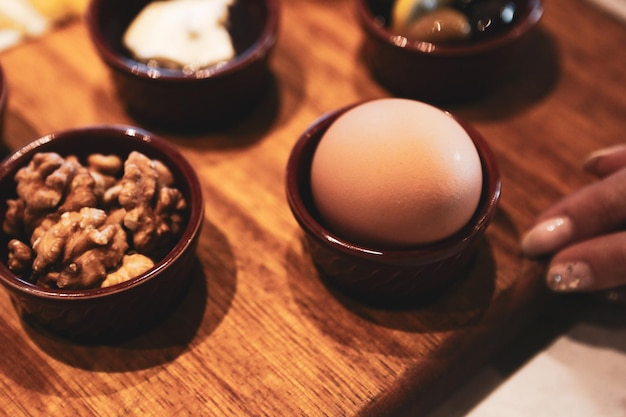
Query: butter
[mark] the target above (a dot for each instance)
(186, 34)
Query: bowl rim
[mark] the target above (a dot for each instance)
(126, 64)
(196, 210)
(4, 90)
(378, 31)
(429, 252)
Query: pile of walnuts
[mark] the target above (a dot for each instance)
(77, 227)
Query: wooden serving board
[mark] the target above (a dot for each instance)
(258, 333)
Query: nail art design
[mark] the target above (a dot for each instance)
(571, 276)
(547, 236)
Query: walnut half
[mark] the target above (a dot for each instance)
(93, 225)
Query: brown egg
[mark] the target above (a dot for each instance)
(396, 172)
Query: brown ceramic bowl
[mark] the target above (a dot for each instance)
(382, 276)
(123, 309)
(171, 99)
(439, 73)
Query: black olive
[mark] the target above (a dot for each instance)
(488, 17)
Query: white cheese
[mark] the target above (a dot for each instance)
(23, 16)
(21, 20)
(181, 33)
(10, 38)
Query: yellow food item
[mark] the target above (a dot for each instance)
(401, 14)
(405, 12)
(8, 23)
(59, 10)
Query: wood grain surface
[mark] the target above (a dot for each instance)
(258, 333)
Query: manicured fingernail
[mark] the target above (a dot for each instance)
(547, 236)
(592, 159)
(570, 276)
(610, 150)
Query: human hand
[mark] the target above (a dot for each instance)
(585, 232)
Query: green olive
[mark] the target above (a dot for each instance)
(441, 25)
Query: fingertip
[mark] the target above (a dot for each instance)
(547, 236)
(570, 277)
(589, 266)
(605, 161)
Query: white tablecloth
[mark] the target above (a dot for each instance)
(555, 369)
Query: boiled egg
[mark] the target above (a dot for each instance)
(396, 173)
